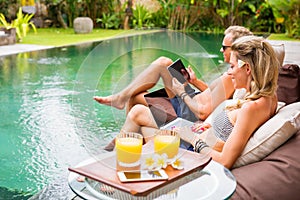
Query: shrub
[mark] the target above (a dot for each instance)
(21, 24)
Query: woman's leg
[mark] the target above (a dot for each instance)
(137, 117)
(144, 81)
(140, 116)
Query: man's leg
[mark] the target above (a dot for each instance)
(144, 81)
(137, 99)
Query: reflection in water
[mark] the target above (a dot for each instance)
(49, 120)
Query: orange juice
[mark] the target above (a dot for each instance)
(128, 149)
(168, 144)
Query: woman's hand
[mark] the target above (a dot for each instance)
(200, 126)
(177, 87)
(185, 133)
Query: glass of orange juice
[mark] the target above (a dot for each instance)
(129, 148)
(167, 141)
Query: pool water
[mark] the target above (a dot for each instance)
(49, 120)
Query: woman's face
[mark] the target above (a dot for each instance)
(239, 72)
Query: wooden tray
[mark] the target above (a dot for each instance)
(105, 171)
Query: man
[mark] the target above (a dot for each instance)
(202, 104)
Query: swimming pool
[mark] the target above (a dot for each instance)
(49, 120)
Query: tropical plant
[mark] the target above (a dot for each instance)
(185, 15)
(109, 21)
(161, 17)
(263, 20)
(141, 17)
(289, 12)
(21, 23)
(233, 11)
(5, 5)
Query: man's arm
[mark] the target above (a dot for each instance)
(204, 103)
(199, 84)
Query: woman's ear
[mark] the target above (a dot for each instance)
(248, 68)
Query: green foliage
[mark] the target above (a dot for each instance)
(180, 15)
(223, 12)
(109, 21)
(3, 21)
(4, 6)
(185, 15)
(161, 17)
(290, 11)
(70, 9)
(263, 20)
(141, 17)
(21, 23)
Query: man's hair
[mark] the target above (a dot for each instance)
(237, 32)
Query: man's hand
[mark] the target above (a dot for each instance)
(177, 87)
(192, 75)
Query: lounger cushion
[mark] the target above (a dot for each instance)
(289, 84)
(271, 135)
(275, 177)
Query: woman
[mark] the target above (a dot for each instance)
(254, 67)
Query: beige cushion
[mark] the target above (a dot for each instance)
(271, 135)
(280, 52)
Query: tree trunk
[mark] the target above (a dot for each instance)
(61, 20)
(128, 12)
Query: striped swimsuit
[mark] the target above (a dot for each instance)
(222, 126)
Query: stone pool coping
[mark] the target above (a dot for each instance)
(6, 50)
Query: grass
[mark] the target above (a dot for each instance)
(281, 36)
(63, 37)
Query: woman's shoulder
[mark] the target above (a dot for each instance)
(263, 104)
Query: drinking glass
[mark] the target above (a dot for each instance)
(167, 141)
(128, 148)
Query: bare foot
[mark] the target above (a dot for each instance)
(112, 100)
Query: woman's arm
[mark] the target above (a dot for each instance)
(248, 119)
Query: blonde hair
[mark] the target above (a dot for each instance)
(237, 32)
(260, 55)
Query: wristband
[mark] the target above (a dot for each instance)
(199, 145)
(182, 95)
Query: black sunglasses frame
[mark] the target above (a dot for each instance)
(225, 47)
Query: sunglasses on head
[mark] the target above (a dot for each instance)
(225, 47)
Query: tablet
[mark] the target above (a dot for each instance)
(178, 70)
